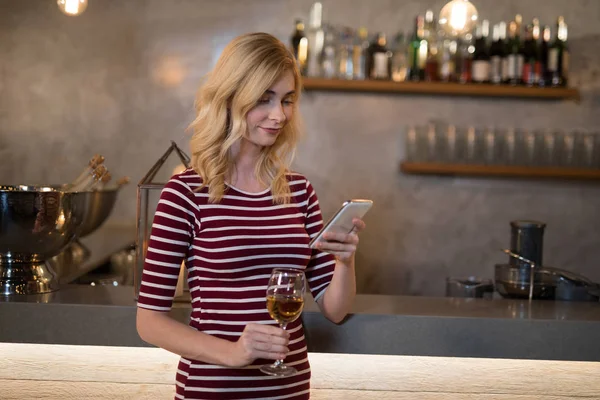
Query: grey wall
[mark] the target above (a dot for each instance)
(120, 80)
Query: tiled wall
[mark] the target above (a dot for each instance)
(120, 80)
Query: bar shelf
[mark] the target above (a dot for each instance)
(440, 88)
(423, 168)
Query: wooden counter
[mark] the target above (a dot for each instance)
(66, 372)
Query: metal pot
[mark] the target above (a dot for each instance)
(515, 282)
(548, 283)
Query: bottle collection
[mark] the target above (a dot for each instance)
(516, 54)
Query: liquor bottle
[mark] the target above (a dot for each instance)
(399, 58)
(432, 57)
(481, 56)
(380, 58)
(514, 56)
(519, 23)
(117, 184)
(329, 61)
(87, 182)
(497, 53)
(545, 79)
(447, 57)
(101, 182)
(558, 56)
(504, 38)
(464, 57)
(345, 54)
(359, 54)
(531, 66)
(417, 53)
(520, 57)
(316, 39)
(536, 30)
(299, 43)
(94, 162)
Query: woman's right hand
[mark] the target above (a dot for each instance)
(260, 341)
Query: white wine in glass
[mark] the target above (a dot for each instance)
(285, 301)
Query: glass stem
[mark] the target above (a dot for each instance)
(279, 363)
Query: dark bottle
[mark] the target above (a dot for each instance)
(558, 56)
(497, 53)
(514, 56)
(417, 51)
(535, 30)
(380, 56)
(545, 79)
(300, 46)
(464, 63)
(481, 57)
(498, 56)
(432, 59)
(532, 68)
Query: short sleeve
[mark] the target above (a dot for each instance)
(170, 238)
(321, 265)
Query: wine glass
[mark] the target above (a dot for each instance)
(285, 300)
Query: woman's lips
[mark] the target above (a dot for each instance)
(272, 131)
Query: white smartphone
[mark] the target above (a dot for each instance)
(342, 220)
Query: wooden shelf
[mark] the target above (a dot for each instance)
(440, 88)
(499, 171)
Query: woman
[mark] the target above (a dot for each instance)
(237, 214)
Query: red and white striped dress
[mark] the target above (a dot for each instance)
(230, 249)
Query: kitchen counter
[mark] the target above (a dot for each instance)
(383, 325)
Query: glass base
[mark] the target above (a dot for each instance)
(278, 369)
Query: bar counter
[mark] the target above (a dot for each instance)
(377, 325)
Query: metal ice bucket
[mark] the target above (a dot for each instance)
(36, 223)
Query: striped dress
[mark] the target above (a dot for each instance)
(230, 249)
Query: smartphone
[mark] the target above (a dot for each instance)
(342, 220)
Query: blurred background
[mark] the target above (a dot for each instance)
(120, 78)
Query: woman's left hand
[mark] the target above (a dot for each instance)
(342, 245)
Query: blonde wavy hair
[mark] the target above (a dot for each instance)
(249, 65)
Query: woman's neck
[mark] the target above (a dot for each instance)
(242, 174)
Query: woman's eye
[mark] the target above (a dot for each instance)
(263, 101)
(288, 101)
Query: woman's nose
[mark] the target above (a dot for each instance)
(277, 113)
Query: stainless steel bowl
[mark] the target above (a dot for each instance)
(99, 205)
(36, 223)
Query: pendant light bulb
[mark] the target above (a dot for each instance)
(458, 17)
(72, 7)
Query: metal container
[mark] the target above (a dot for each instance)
(527, 240)
(471, 286)
(36, 223)
(99, 205)
(515, 282)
